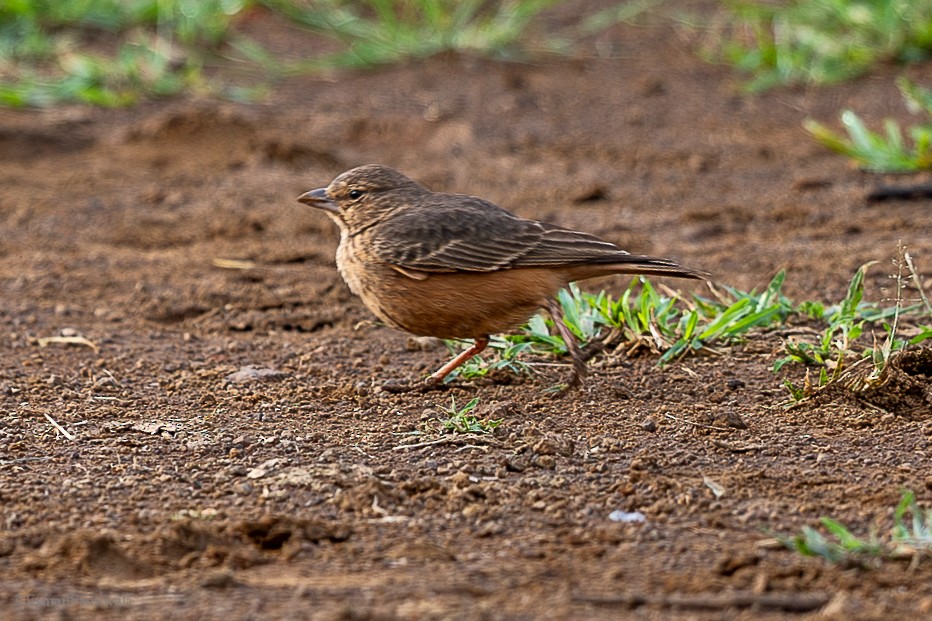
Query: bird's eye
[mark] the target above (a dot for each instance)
(354, 194)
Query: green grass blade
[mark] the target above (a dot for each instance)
(735, 310)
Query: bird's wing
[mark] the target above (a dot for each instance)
(453, 233)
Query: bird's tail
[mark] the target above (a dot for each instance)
(639, 264)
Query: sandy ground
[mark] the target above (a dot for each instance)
(310, 493)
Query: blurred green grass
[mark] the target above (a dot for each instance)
(820, 41)
(889, 152)
(118, 52)
(107, 52)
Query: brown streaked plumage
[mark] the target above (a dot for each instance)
(457, 266)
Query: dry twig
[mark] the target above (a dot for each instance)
(61, 429)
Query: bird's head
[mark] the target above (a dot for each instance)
(363, 196)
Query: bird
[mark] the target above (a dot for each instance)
(455, 266)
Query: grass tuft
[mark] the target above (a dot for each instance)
(376, 32)
(910, 537)
(108, 52)
(840, 545)
(460, 420)
(803, 42)
(887, 152)
(833, 354)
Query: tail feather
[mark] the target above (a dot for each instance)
(659, 267)
(634, 264)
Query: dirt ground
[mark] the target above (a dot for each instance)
(303, 491)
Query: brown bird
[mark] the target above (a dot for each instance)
(456, 266)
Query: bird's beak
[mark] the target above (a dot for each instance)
(318, 198)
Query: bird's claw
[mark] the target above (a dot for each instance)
(403, 386)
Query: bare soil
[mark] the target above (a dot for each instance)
(188, 490)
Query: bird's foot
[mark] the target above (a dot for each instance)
(562, 389)
(403, 386)
(574, 381)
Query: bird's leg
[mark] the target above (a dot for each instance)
(572, 346)
(440, 374)
(435, 380)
